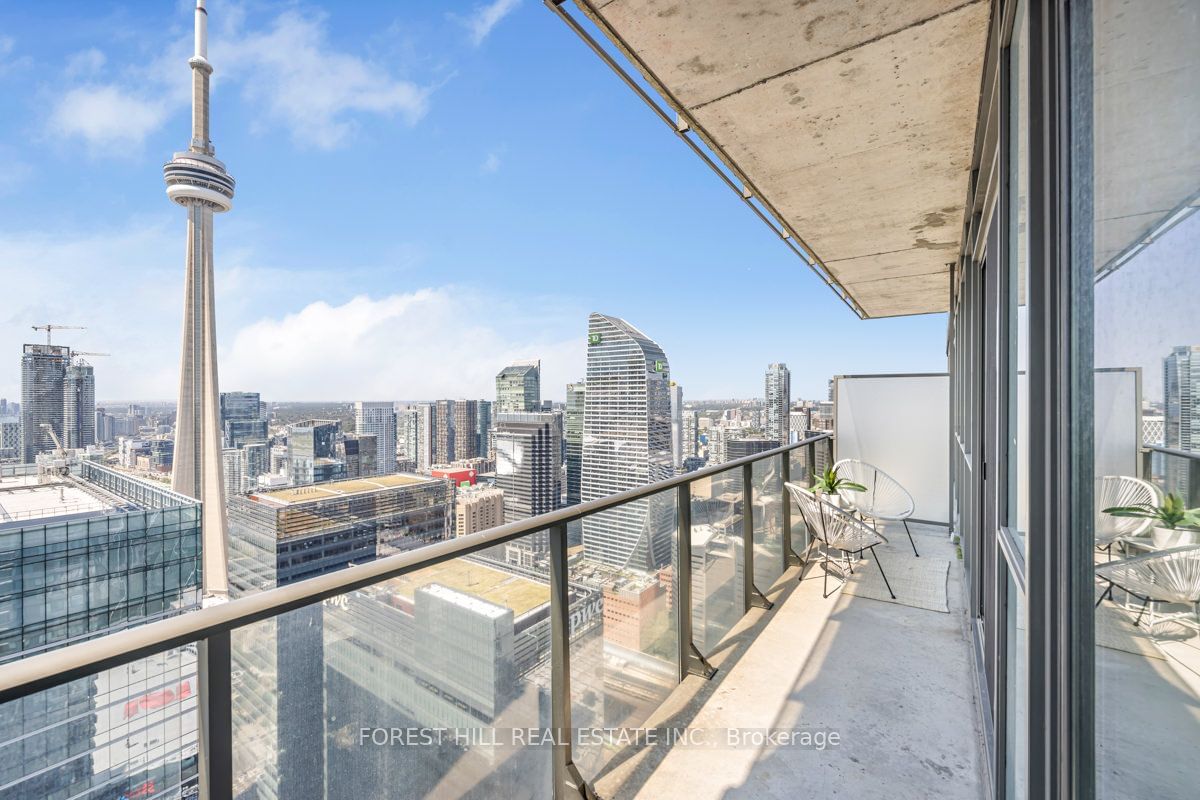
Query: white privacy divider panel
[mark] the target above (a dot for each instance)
(901, 424)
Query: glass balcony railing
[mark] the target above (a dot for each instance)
(433, 672)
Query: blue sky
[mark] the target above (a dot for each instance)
(425, 190)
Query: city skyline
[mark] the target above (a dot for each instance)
(410, 80)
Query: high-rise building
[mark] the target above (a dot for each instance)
(10, 437)
(359, 452)
(43, 377)
(778, 393)
(378, 419)
(79, 405)
(466, 430)
(626, 443)
(477, 508)
(312, 444)
(528, 463)
(284, 536)
(573, 434)
(443, 431)
(198, 181)
(519, 388)
(676, 426)
(1181, 417)
(483, 429)
(241, 419)
(231, 471)
(256, 460)
(740, 448)
(426, 422)
(691, 433)
(129, 731)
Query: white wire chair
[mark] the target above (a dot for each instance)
(832, 527)
(884, 499)
(1168, 576)
(1121, 490)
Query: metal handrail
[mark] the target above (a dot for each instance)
(46, 670)
(1170, 451)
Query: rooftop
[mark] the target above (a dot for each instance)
(477, 580)
(24, 500)
(323, 491)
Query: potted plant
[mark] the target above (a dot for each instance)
(829, 484)
(1174, 524)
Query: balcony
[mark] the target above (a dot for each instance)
(439, 672)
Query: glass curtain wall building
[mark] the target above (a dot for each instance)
(82, 555)
(626, 442)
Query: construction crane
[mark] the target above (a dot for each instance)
(50, 326)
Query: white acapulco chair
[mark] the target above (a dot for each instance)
(1168, 576)
(1121, 490)
(885, 499)
(833, 528)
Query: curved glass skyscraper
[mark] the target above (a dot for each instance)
(626, 443)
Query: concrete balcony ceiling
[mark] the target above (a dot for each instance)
(853, 121)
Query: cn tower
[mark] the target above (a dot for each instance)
(198, 182)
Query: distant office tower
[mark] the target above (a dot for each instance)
(405, 435)
(519, 388)
(443, 432)
(256, 460)
(528, 463)
(79, 405)
(691, 433)
(241, 418)
(573, 433)
(426, 422)
(466, 430)
(778, 394)
(740, 448)
(129, 731)
(43, 376)
(105, 426)
(676, 426)
(278, 538)
(360, 453)
(10, 437)
(1181, 418)
(311, 448)
(797, 424)
(626, 443)
(379, 419)
(231, 471)
(477, 508)
(483, 428)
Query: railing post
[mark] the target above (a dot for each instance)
(690, 660)
(751, 596)
(1193, 498)
(811, 457)
(567, 780)
(790, 556)
(216, 717)
(1146, 465)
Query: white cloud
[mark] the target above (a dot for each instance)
(126, 286)
(7, 62)
(300, 81)
(484, 18)
(13, 172)
(106, 114)
(490, 164)
(415, 345)
(288, 71)
(85, 63)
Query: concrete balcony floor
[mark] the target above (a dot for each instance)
(895, 682)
